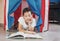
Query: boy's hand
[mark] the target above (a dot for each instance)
(29, 22)
(30, 32)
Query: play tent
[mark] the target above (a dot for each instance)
(13, 10)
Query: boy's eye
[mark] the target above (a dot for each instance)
(29, 15)
(25, 16)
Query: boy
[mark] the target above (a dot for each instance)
(26, 22)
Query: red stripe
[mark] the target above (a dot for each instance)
(5, 15)
(43, 15)
(17, 13)
(24, 0)
(34, 15)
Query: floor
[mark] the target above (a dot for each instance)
(52, 35)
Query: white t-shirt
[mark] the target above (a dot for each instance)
(22, 22)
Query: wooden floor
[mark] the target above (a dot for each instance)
(52, 35)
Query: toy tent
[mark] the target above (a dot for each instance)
(13, 10)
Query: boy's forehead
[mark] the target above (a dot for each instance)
(29, 12)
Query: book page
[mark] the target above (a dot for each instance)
(35, 35)
(15, 34)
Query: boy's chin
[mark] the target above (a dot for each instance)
(26, 21)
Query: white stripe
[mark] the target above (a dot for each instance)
(7, 4)
(46, 15)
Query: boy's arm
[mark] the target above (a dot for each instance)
(31, 28)
(20, 28)
(31, 25)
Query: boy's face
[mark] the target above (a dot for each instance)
(27, 16)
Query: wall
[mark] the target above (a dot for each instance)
(1, 12)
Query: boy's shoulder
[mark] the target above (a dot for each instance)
(20, 17)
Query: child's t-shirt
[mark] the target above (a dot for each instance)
(25, 26)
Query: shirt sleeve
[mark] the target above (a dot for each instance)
(20, 20)
(33, 23)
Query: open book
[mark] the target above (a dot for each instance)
(24, 35)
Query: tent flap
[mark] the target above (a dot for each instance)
(35, 6)
(13, 5)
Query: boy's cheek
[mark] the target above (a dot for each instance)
(25, 18)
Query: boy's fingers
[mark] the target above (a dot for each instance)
(30, 32)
